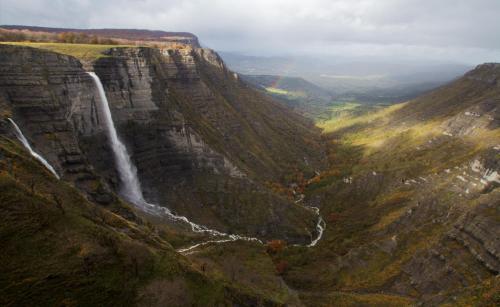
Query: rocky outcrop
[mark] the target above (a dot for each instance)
(466, 256)
(478, 232)
(488, 73)
(484, 115)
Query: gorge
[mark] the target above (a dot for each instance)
(174, 181)
(131, 188)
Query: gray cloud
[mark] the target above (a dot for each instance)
(457, 30)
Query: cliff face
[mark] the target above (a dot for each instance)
(44, 89)
(51, 98)
(203, 142)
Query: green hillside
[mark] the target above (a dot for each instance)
(400, 185)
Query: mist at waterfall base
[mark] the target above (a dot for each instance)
(131, 188)
(20, 136)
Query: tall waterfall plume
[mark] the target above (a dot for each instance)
(131, 187)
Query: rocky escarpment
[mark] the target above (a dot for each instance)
(51, 98)
(411, 201)
(202, 150)
(44, 89)
(478, 232)
(184, 135)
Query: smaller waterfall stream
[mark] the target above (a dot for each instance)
(131, 188)
(320, 227)
(20, 136)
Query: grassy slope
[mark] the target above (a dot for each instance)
(76, 253)
(99, 258)
(247, 267)
(85, 52)
(361, 214)
(275, 90)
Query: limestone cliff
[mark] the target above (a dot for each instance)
(204, 143)
(51, 97)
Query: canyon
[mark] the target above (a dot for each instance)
(170, 180)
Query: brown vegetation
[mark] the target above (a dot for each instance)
(275, 246)
(64, 37)
(281, 267)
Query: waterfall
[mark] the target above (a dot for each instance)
(20, 136)
(131, 187)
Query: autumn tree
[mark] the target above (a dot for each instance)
(275, 246)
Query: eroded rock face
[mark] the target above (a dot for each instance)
(484, 115)
(201, 140)
(53, 101)
(186, 141)
(478, 232)
(51, 98)
(126, 76)
(464, 257)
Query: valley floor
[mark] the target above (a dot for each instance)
(412, 211)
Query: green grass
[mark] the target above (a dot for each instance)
(353, 114)
(85, 52)
(275, 90)
(341, 109)
(289, 94)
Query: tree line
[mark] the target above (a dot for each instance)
(63, 37)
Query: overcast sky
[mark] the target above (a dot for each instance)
(456, 30)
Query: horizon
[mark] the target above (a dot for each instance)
(449, 31)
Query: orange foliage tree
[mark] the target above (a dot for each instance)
(275, 246)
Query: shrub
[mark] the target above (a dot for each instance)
(275, 246)
(333, 217)
(281, 267)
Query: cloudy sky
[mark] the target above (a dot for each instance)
(453, 30)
